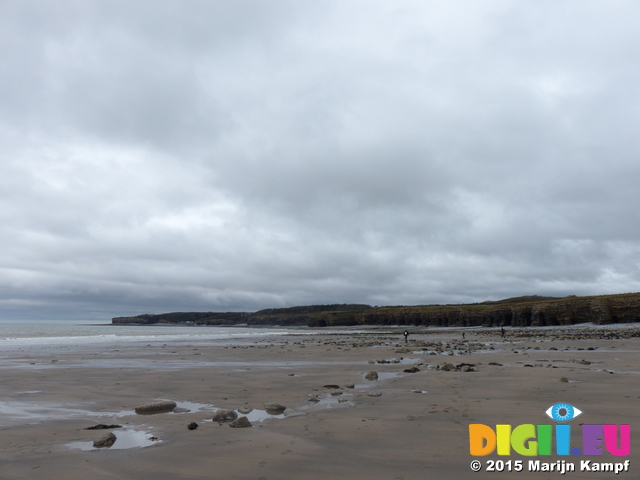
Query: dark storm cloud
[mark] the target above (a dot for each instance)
(238, 155)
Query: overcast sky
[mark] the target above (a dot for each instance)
(236, 155)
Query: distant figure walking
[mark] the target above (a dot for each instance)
(502, 332)
(406, 336)
(463, 335)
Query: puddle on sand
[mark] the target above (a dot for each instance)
(253, 416)
(194, 406)
(381, 376)
(124, 439)
(21, 412)
(258, 415)
(329, 401)
(14, 412)
(400, 361)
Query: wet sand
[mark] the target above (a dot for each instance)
(417, 428)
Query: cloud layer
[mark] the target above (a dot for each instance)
(161, 156)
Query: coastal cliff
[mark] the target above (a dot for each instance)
(521, 311)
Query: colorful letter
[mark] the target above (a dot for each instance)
(563, 439)
(523, 435)
(610, 440)
(592, 439)
(544, 439)
(478, 435)
(503, 432)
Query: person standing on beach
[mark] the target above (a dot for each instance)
(463, 335)
(502, 332)
(406, 336)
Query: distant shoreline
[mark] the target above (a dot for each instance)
(528, 311)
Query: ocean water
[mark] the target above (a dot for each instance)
(24, 335)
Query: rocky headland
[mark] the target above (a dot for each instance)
(518, 312)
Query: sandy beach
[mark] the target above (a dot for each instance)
(402, 426)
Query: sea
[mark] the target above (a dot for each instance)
(26, 335)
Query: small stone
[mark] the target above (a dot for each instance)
(466, 367)
(224, 415)
(331, 386)
(244, 410)
(372, 376)
(102, 426)
(447, 367)
(154, 408)
(374, 394)
(274, 408)
(192, 426)
(313, 398)
(181, 410)
(105, 441)
(411, 370)
(349, 385)
(241, 422)
(564, 379)
(336, 393)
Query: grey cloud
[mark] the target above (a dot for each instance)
(238, 155)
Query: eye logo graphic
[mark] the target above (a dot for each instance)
(563, 412)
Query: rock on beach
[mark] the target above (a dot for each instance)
(274, 408)
(371, 376)
(157, 407)
(105, 441)
(240, 422)
(224, 415)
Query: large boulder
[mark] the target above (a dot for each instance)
(157, 407)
